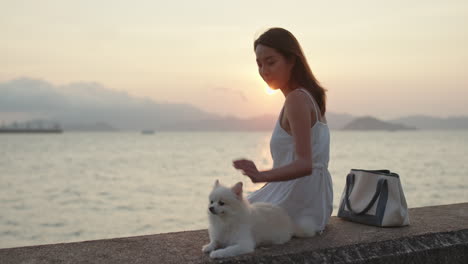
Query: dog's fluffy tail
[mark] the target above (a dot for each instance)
(304, 228)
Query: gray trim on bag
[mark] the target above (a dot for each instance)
(381, 172)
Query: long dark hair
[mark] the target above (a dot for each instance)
(287, 45)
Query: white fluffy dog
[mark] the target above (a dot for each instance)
(237, 227)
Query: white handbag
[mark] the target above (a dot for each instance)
(374, 197)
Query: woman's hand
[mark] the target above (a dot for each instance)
(249, 169)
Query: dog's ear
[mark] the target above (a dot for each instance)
(237, 189)
(216, 184)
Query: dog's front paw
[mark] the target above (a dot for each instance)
(208, 248)
(218, 254)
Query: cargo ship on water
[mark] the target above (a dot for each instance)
(28, 128)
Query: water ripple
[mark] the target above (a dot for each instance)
(56, 224)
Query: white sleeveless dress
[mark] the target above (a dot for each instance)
(309, 199)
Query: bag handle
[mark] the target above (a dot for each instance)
(374, 171)
(382, 183)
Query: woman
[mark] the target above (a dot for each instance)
(300, 145)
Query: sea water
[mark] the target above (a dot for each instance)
(83, 186)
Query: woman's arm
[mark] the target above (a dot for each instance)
(299, 117)
(294, 170)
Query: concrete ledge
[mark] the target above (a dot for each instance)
(437, 234)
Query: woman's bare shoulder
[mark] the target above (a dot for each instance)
(296, 108)
(298, 103)
(296, 97)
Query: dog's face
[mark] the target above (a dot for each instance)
(225, 201)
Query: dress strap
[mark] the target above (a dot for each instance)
(313, 102)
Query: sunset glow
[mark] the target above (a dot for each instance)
(363, 52)
(270, 91)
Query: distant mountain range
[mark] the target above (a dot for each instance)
(428, 122)
(92, 107)
(372, 123)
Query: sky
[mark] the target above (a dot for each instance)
(382, 58)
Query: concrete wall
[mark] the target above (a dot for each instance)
(437, 234)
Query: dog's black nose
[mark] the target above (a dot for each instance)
(212, 210)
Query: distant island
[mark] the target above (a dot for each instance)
(372, 123)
